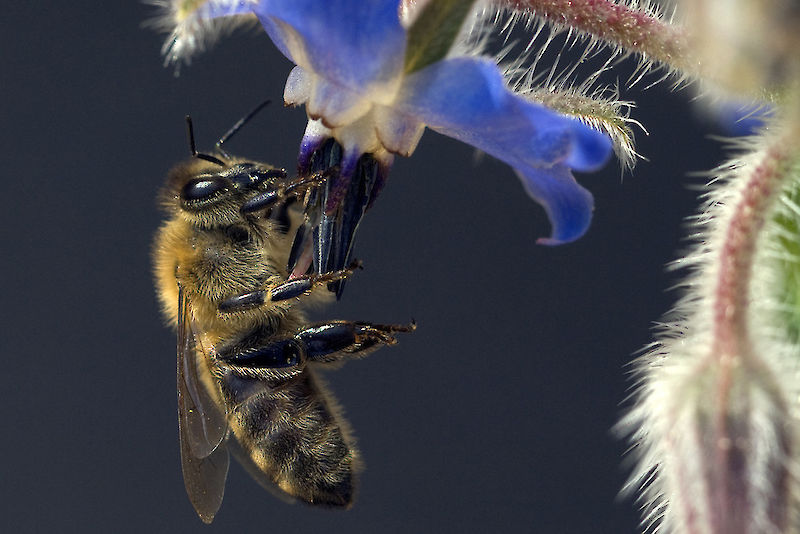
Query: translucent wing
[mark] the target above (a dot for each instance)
(205, 419)
(202, 422)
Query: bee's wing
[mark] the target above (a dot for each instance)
(203, 419)
(202, 424)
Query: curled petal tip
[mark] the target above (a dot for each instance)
(568, 205)
(591, 149)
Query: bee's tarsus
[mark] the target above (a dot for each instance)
(325, 342)
(311, 180)
(245, 301)
(410, 327)
(371, 335)
(289, 289)
(282, 193)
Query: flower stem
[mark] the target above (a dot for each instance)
(621, 26)
(732, 348)
(732, 293)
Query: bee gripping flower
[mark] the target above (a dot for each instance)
(373, 75)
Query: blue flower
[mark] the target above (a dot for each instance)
(352, 75)
(741, 118)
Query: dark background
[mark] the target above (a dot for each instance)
(494, 416)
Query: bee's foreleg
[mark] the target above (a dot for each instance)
(295, 287)
(326, 342)
(291, 189)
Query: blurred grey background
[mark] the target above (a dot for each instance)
(494, 416)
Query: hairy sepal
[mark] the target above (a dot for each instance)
(715, 417)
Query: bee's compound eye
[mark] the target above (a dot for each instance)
(203, 189)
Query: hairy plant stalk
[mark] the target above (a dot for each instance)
(732, 294)
(714, 421)
(732, 349)
(625, 27)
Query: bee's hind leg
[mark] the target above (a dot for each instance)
(334, 341)
(344, 340)
(295, 287)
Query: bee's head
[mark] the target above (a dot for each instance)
(214, 190)
(212, 193)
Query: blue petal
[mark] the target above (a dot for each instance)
(335, 105)
(351, 42)
(743, 119)
(568, 205)
(467, 98)
(592, 149)
(398, 133)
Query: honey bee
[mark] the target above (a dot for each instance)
(247, 356)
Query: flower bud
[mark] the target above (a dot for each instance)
(746, 46)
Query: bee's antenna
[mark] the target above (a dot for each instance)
(238, 126)
(193, 149)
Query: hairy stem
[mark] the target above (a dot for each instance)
(732, 347)
(621, 26)
(736, 256)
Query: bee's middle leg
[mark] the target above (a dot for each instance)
(295, 287)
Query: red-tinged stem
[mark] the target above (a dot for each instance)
(634, 30)
(732, 348)
(736, 256)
